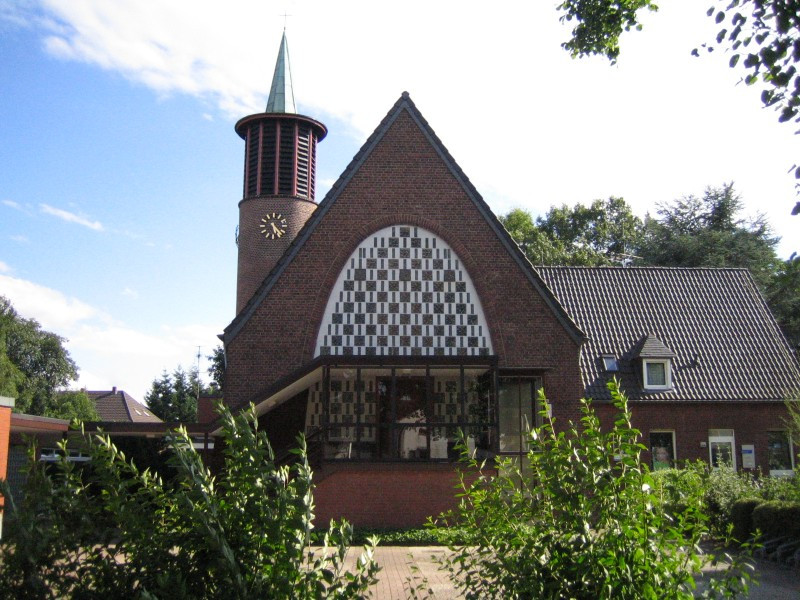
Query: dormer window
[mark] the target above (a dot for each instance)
(610, 363)
(656, 363)
(657, 374)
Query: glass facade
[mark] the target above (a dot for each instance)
(413, 413)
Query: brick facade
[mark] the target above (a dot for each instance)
(257, 253)
(403, 180)
(691, 421)
(384, 496)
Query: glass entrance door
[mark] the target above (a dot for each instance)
(721, 447)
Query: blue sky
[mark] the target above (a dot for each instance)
(120, 172)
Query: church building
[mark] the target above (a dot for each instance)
(398, 310)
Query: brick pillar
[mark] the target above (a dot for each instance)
(6, 404)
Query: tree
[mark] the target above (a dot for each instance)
(73, 405)
(783, 297)
(174, 397)
(606, 229)
(708, 232)
(602, 233)
(537, 246)
(34, 363)
(765, 33)
(217, 369)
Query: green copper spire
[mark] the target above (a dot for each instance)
(281, 95)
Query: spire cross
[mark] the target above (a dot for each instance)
(285, 16)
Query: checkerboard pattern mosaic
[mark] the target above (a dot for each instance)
(404, 292)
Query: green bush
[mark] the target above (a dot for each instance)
(121, 532)
(723, 488)
(742, 518)
(679, 490)
(777, 519)
(580, 520)
(780, 488)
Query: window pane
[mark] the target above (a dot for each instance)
(721, 454)
(509, 416)
(780, 451)
(656, 373)
(662, 449)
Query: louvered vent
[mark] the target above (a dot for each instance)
(286, 159)
(268, 158)
(303, 135)
(312, 167)
(251, 160)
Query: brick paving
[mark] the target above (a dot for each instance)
(403, 567)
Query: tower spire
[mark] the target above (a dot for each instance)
(280, 156)
(281, 94)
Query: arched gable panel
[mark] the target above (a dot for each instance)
(403, 292)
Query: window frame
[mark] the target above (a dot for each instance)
(782, 472)
(667, 374)
(717, 436)
(674, 447)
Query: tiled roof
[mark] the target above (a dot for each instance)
(726, 344)
(118, 406)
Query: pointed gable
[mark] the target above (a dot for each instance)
(402, 176)
(405, 108)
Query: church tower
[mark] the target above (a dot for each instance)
(279, 174)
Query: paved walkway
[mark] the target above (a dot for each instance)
(406, 567)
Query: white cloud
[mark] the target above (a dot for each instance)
(130, 293)
(22, 239)
(108, 352)
(530, 126)
(12, 204)
(4, 268)
(70, 217)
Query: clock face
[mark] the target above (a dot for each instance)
(273, 226)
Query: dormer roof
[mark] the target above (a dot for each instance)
(652, 347)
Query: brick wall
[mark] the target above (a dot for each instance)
(403, 181)
(258, 254)
(691, 421)
(388, 495)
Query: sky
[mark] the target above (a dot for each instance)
(120, 171)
